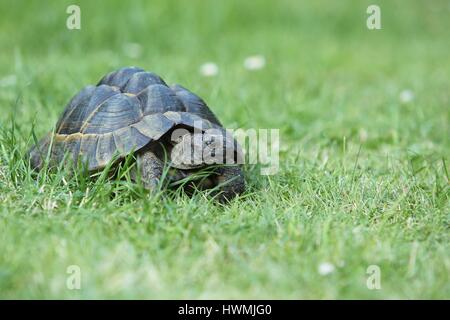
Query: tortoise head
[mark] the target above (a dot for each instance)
(193, 150)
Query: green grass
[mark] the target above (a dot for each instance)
(363, 180)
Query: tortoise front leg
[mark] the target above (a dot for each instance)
(230, 181)
(151, 169)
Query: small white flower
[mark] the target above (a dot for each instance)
(254, 62)
(363, 135)
(209, 69)
(132, 50)
(406, 96)
(9, 80)
(325, 268)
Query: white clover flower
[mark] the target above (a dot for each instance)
(325, 268)
(406, 96)
(209, 69)
(363, 135)
(253, 63)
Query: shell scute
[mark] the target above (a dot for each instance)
(119, 78)
(140, 80)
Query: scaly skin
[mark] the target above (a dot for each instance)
(229, 180)
(151, 168)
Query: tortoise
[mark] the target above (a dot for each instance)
(131, 111)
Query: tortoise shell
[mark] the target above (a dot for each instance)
(125, 111)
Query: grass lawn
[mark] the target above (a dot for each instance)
(363, 178)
